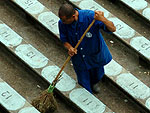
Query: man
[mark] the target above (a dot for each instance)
(92, 54)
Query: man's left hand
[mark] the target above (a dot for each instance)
(99, 15)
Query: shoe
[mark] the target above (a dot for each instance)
(96, 88)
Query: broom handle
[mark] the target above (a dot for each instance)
(69, 57)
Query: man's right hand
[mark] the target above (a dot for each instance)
(72, 51)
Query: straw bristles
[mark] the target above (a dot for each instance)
(45, 103)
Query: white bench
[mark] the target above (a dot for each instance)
(12, 101)
(124, 32)
(141, 7)
(127, 81)
(48, 70)
(50, 21)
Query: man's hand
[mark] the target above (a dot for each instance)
(99, 15)
(72, 51)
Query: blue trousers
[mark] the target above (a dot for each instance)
(87, 78)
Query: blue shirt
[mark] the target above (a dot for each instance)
(93, 51)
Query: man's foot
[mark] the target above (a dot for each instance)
(96, 88)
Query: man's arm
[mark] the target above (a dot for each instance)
(99, 15)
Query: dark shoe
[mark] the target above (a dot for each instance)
(96, 88)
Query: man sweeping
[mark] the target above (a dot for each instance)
(92, 54)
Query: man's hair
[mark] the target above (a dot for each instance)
(66, 10)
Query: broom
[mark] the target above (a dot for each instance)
(46, 102)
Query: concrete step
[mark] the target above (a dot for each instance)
(48, 71)
(132, 39)
(53, 27)
(124, 32)
(110, 93)
(141, 7)
(12, 101)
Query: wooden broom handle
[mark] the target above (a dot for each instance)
(69, 57)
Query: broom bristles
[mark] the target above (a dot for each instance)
(45, 103)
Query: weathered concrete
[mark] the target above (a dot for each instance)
(13, 101)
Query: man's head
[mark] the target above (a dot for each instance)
(67, 13)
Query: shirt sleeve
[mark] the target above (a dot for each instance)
(102, 26)
(62, 32)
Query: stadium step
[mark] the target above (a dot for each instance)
(12, 101)
(123, 32)
(51, 24)
(132, 39)
(141, 7)
(48, 70)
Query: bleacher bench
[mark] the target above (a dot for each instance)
(48, 71)
(123, 32)
(12, 101)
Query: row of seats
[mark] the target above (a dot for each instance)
(141, 7)
(48, 70)
(12, 101)
(124, 79)
(125, 33)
